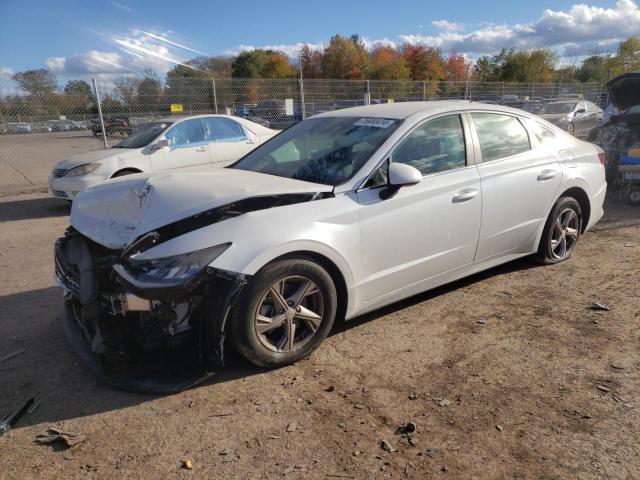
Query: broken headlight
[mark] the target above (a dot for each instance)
(82, 170)
(177, 268)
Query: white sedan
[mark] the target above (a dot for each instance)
(339, 215)
(174, 143)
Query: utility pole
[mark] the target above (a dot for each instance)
(104, 134)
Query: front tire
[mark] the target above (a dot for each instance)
(284, 313)
(561, 232)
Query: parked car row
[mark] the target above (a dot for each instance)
(43, 127)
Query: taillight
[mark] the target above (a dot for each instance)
(601, 156)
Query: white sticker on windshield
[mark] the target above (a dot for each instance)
(374, 122)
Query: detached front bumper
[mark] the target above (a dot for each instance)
(135, 341)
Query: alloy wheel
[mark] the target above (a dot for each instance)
(289, 314)
(564, 235)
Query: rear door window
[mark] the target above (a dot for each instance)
(500, 136)
(220, 129)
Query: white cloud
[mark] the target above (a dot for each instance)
(577, 31)
(7, 73)
(447, 25)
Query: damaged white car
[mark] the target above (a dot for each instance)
(339, 215)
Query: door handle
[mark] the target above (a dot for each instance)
(546, 175)
(251, 142)
(464, 195)
(201, 149)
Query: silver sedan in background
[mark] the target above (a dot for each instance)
(577, 117)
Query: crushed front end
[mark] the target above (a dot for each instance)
(134, 331)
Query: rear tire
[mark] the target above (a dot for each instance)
(561, 232)
(284, 313)
(632, 195)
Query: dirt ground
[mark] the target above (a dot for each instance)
(507, 374)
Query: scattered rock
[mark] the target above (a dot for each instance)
(444, 402)
(188, 464)
(342, 424)
(602, 388)
(293, 424)
(617, 366)
(432, 452)
(499, 428)
(226, 451)
(359, 406)
(386, 446)
(482, 321)
(330, 388)
(407, 429)
(413, 396)
(55, 437)
(600, 307)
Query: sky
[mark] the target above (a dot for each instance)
(74, 38)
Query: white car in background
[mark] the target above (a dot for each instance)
(341, 214)
(184, 143)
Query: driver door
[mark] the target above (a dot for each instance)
(189, 148)
(427, 229)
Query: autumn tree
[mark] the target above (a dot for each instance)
(344, 58)
(387, 64)
(456, 67)
(311, 62)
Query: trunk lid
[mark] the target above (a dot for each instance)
(624, 91)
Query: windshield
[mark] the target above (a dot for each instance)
(327, 150)
(144, 135)
(564, 107)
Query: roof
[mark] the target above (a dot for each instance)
(402, 110)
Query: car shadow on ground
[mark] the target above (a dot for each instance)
(33, 208)
(49, 369)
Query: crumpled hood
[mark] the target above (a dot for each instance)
(118, 211)
(624, 91)
(94, 156)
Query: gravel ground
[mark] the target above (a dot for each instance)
(507, 374)
(26, 161)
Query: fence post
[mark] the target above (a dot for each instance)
(215, 96)
(104, 134)
(367, 93)
(533, 91)
(302, 107)
(424, 90)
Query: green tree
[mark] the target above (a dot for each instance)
(39, 82)
(262, 64)
(627, 57)
(78, 97)
(593, 69)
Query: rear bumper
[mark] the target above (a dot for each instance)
(597, 210)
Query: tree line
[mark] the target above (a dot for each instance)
(345, 58)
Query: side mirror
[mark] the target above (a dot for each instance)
(579, 111)
(160, 144)
(400, 175)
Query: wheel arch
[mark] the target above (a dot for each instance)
(332, 269)
(583, 200)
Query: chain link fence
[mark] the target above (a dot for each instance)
(39, 129)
